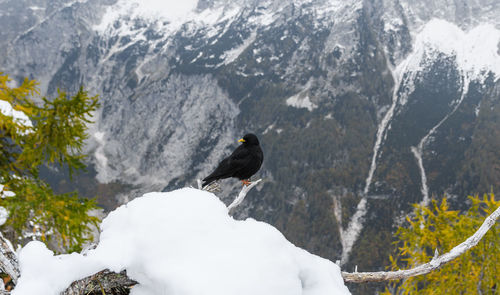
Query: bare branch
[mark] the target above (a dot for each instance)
(435, 263)
(242, 195)
(105, 280)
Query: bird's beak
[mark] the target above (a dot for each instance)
(241, 140)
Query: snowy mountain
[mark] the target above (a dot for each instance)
(362, 107)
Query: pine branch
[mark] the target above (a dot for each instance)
(435, 263)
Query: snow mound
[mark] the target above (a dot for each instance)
(184, 242)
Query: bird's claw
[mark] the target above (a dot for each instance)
(246, 182)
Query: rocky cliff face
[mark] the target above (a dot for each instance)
(363, 107)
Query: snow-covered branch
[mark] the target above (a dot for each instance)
(242, 195)
(435, 263)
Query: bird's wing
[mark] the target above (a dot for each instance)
(236, 161)
(240, 154)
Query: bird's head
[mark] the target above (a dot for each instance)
(249, 139)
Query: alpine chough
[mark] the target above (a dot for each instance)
(244, 162)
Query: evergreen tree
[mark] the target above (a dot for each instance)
(52, 134)
(438, 227)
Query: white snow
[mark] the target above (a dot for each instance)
(269, 128)
(476, 50)
(301, 100)
(351, 233)
(184, 242)
(166, 16)
(4, 214)
(231, 55)
(397, 76)
(18, 116)
(100, 156)
(197, 57)
(477, 109)
(393, 24)
(264, 19)
(169, 10)
(417, 152)
(36, 8)
(5, 193)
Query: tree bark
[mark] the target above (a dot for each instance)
(107, 281)
(8, 259)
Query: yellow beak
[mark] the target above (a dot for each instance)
(241, 140)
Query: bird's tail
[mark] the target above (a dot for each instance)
(207, 181)
(211, 186)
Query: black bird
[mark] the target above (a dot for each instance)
(244, 162)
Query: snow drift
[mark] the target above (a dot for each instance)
(184, 242)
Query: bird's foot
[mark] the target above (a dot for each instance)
(246, 182)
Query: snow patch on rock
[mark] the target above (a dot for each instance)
(301, 100)
(475, 51)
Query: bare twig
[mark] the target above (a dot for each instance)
(435, 263)
(242, 195)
